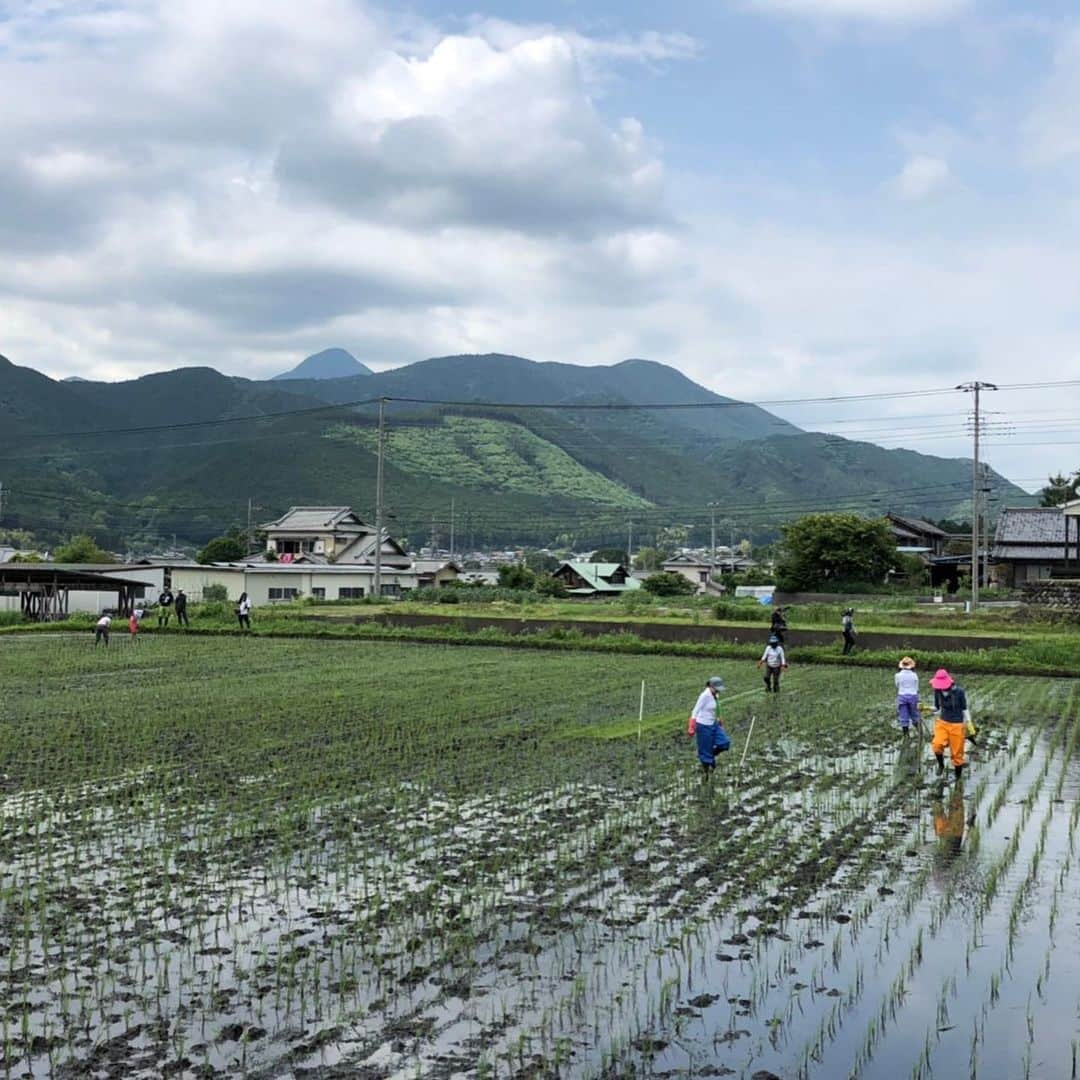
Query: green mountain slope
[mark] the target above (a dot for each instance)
(513, 472)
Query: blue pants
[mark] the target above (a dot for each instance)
(711, 740)
(907, 710)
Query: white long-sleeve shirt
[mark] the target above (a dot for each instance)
(907, 682)
(705, 709)
(774, 656)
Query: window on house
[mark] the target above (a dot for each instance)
(283, 594)
(350, 592)
(391, 589)
(318, 593)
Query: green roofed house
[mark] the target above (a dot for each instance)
(596, 579)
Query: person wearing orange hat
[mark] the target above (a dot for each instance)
(907, 695)
(950, 704)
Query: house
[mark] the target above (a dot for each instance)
(914, 536)
(1030, 543)
(595, 579)
(436, 572)
(327, 534)
(698, 571)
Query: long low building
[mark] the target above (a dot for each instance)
(264, 582)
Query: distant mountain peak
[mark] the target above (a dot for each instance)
(328, 364)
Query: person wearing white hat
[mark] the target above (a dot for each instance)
(705, 726)
(907, 695)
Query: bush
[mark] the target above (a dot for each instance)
(546, 585)
(215, 593)
(668, 584)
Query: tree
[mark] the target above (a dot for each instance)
(541, 562)
(81, 549)
(1060, 489)
(516, 576)
(222, 549)
(609, 555)
(546, 585)
(649, 558)
(837, 548)
(668, 584)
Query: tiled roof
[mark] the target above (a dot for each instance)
(918, 525)
(1031, 525)
(1031, 552)
(300, 518)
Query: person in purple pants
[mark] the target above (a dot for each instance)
(907, 696)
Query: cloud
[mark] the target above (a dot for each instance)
(886, 11)
(920, 178)
(1051, 132)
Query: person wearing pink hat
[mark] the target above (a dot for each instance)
(950, 704)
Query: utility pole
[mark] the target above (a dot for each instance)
(975, 388)
(1, 500)
(376, 586)
(251, 527)
(451, 530)
(630, 542)
(712, 541)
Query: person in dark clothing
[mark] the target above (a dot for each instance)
(180, 605)
(847, 624)
(101, 631)
(778, 626)
(164, 610)
(243, 611)
(950, 704)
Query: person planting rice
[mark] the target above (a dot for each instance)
(950, 706)
(705, 726)
(101, 630)
(774, 661)
(133, 626)
(907, 695)
(778, 625)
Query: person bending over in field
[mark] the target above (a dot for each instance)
(907, 695)
(101, 630)
(950, 730)
(705, 726)
(773, 661)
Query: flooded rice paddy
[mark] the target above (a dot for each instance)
(331, 859)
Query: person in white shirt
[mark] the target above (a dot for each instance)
(773, 661)
(243, 611)
(705, 726)
(101, 630)
(907, 695)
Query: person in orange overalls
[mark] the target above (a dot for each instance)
(949, 823)
(950, 704)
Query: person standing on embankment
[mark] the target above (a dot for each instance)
(181, 608)
(778, 624)
(907, 695)
(950, 728)
(164, 606)
(847, 624)
(705, 726)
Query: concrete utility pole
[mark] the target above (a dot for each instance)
(975, 388)
(376, 587)
(251, 527)
(630, 543)
(451, 530)
(712, 540)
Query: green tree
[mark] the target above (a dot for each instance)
(81, 548)
(540, 562)
(668, 584)
(516, 576)
(546, 585)
(839, 548)
(649, 558)
(609, 555)
(222, 549)
(1060, 489)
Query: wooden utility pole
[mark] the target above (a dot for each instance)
(376, 586)
(975, 388)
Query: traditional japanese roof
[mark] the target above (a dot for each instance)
(917, 525)
(318, 519)
(1030, 532)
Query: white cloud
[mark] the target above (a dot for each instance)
(874, 10)
(1052, 129)
(920, 178)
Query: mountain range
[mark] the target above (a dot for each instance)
(516, 451)
(328, 364)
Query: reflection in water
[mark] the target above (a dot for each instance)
(949, 824)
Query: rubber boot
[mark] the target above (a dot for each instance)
(958, 773)
(940, 763)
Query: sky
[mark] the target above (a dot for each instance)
(781, 198)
